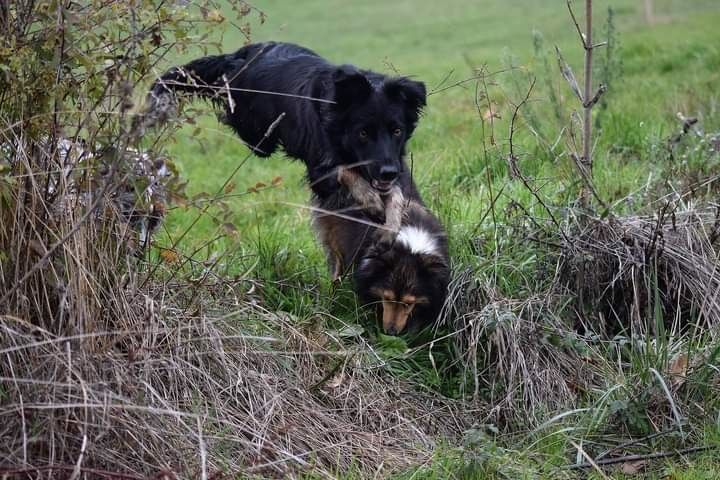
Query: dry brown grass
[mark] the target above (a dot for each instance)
(651, 279)
(636, 274)
(197, 394)
(111, 369)
(519, 356)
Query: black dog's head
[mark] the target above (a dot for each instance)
(409, 279)
(371, 121)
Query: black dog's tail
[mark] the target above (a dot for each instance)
(204, 77)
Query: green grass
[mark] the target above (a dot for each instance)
(661, 69)
(666, 68)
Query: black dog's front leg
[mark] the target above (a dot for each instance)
(327, 182)
(363, 193)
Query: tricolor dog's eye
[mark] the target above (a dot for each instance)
(363, 134)
(397, 132)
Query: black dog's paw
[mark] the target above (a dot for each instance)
(374, 206)
(385, 237)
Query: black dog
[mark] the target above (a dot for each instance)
(347, 125)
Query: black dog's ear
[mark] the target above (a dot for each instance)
(407, 91)
(351, 86)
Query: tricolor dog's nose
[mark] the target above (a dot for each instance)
(388, 173)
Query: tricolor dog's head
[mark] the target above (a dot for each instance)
(371, 121)
(407, 279)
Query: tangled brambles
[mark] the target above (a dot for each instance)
(639, 274)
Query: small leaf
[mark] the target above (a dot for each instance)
(259, 185)
(277, 181)
(391, 346)
(633, 468)
(351, 331)
(229, 187)
(567, 73)
(678, 369)
(215, 16)
(336, 381)
(169, 256)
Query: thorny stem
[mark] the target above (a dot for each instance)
(587, 121)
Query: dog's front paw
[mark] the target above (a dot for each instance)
(366, 197)
(373, 205)
(385, 237)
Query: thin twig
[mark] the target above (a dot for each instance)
(513, 161)
(634, 458)
(577, 25)
(630, 443)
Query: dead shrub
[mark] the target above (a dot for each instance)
(520, 356)
(639, 274)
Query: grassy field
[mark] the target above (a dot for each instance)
(662, 69)
(459, 157)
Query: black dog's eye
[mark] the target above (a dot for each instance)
(397, 132)
(363, 134)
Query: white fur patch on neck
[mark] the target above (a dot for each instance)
(418, 240)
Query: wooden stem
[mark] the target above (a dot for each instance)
(587, 121)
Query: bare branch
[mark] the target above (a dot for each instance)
(584, 41)
(634, 458)
(601, 89)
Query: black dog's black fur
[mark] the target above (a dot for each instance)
(333, 115)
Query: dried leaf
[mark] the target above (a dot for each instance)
(229, 187)
(277, 181)
(336, 381)
(230, 229)
(259, 185)
(633, 468)
(215, 16)
(169, 256)
(677, 369)
(567, 73)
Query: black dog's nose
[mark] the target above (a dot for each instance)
(388, 173)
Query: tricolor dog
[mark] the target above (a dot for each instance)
(406, 273)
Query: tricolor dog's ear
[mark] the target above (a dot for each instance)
(411, 93)
(435, 266)
(351, 86)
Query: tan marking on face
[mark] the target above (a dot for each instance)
(396, 314)
(383, 294)
(409, 299)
